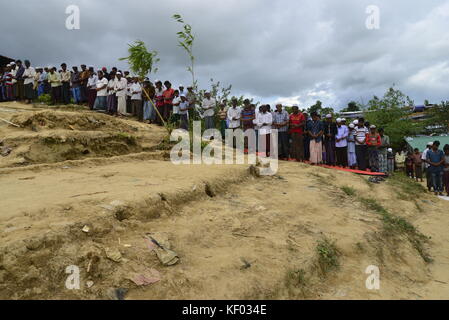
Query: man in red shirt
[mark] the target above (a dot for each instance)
(297, 123)
(168, 96)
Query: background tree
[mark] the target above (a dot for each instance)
(315, 108)
(186, 39)
(439, 116)
(392, 113)
(352, 107)
(141, 61)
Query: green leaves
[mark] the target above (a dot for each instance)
(439, 116)
(186, 40)
(392, 113)
(141, 61)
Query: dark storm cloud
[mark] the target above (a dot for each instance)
(289, 51)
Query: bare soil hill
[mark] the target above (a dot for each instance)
(305, 233)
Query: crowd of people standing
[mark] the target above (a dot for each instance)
(301, 137)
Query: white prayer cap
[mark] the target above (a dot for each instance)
(13, 63)
(373, 127)
(329, 116)
(118, 73)
(430, 144)
(8, 65)
(343, 119)
(355, 122)
(352, 126)
(49, 67)
(339, 120)
(181, 86)
(390, 150)
(183, 95)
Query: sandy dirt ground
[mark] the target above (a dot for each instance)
(304, 233)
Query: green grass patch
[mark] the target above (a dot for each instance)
(328, 255)
(129, 139)
(296, 278)
(394, 225)
(407, 188)
(349, 191)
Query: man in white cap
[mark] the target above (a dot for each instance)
(341, 144)
(176, 102)
(390, 160)
(360, 144)
(184, 112)
(181, 89)
(352, 159)
(426, 166)
(120, 88)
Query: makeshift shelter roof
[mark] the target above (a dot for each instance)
(422, 141)
(5, 60)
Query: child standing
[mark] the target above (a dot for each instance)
(409, 170)
(417, 162)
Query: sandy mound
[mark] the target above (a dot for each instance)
(51, 136)
(71, 121)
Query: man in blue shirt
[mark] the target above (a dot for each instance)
(315, 130)
(435, 159)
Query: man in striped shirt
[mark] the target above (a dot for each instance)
(360, 144)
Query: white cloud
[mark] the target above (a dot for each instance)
(283, 50)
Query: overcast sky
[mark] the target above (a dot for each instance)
(294, 51)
